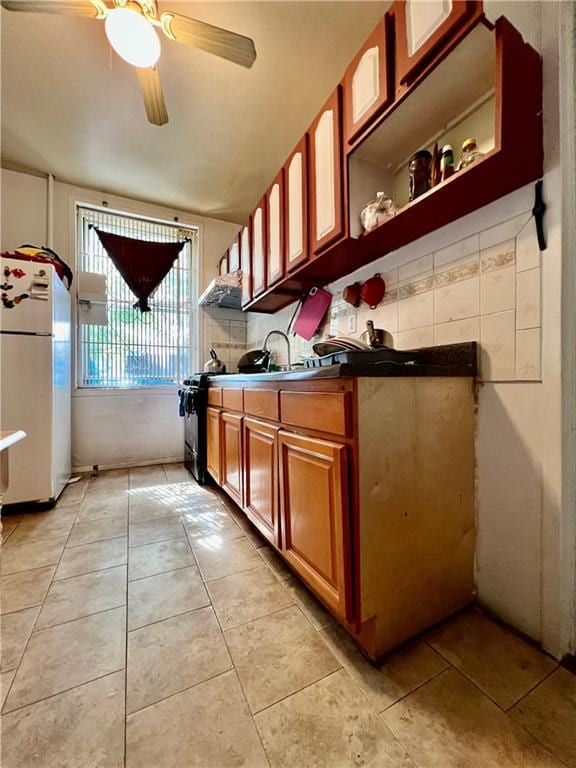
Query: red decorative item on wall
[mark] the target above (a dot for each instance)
(372, 291)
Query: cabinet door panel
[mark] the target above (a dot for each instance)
(275, 229)
(261, 478)
(259, 250)
(314, 513)
(223, 265)
(231, 455)
(234, 256)
(246, 264)
(422, 28)
(296, 205)
(326, 174)
(213, 441)
(367, 83)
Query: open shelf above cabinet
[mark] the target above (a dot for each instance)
(489, 86)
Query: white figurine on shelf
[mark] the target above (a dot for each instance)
(377, 211)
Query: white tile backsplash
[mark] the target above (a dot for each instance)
(416, 270)
(528, 299)
(505, 231)
(462, 250)
(416, 311)
(498, 290)
(458, 331)
(498, 346)
(457, 300)
(528, 354)
(485, 288)
(527, 250)
(420, 337)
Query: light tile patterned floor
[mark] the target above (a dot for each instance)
(146, 624)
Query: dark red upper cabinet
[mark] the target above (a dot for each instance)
(326, 184)
(275, 230)
(246, 264)
(259, 249)
(423, 27)
(368, 85)
(296, 205)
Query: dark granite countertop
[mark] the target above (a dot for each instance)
(447, 360)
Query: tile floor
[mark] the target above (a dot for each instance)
(146, 624)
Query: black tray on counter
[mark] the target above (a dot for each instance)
(381, 355)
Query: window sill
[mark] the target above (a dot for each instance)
(168, 391)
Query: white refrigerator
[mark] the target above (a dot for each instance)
(35, 378)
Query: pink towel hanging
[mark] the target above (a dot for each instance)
(312, 312)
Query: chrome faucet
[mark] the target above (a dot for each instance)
(286, 339)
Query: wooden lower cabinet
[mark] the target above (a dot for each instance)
(231, 455)
(315, 516)
(213, 440)
(370, 501)
(261, 478)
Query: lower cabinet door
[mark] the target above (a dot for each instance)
(261, 478)
(231, 455)
(213, 443)
(315, 516)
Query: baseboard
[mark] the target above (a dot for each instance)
(80, 470)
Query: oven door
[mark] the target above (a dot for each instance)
(195, 437)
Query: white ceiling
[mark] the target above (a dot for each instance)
(73, 108)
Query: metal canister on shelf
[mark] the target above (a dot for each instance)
(469, 154)
(446, 162)
(420, 168)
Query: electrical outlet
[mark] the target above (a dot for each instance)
(351, 323)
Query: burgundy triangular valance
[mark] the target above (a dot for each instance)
(142, 264)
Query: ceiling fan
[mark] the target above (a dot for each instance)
(131, 30)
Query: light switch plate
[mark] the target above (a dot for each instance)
(352, 323)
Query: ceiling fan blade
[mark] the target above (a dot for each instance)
(199, 34)
(95, 9)
(153, 96)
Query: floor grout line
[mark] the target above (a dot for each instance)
(533, 688)
(177, 693)
(64, 690)
(36, 631)
(242, 688)
(39, 612)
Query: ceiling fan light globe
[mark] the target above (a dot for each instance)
(132, 37)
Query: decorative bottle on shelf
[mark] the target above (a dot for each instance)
(446, 162)
(469, 154)
(420, 173)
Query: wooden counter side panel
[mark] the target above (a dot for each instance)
(323, 411)
(262, 403)
(417, 514)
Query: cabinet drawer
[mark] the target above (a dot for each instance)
(261, 402)
(324, 411)
(214, 396)
(232, 398)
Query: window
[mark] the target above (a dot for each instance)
(134, 349)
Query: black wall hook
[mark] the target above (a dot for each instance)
(538, 213)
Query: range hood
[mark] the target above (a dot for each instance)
(224, 291)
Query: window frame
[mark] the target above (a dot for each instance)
(155, 215)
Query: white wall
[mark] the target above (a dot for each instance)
(109, 429)
(522, 569)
